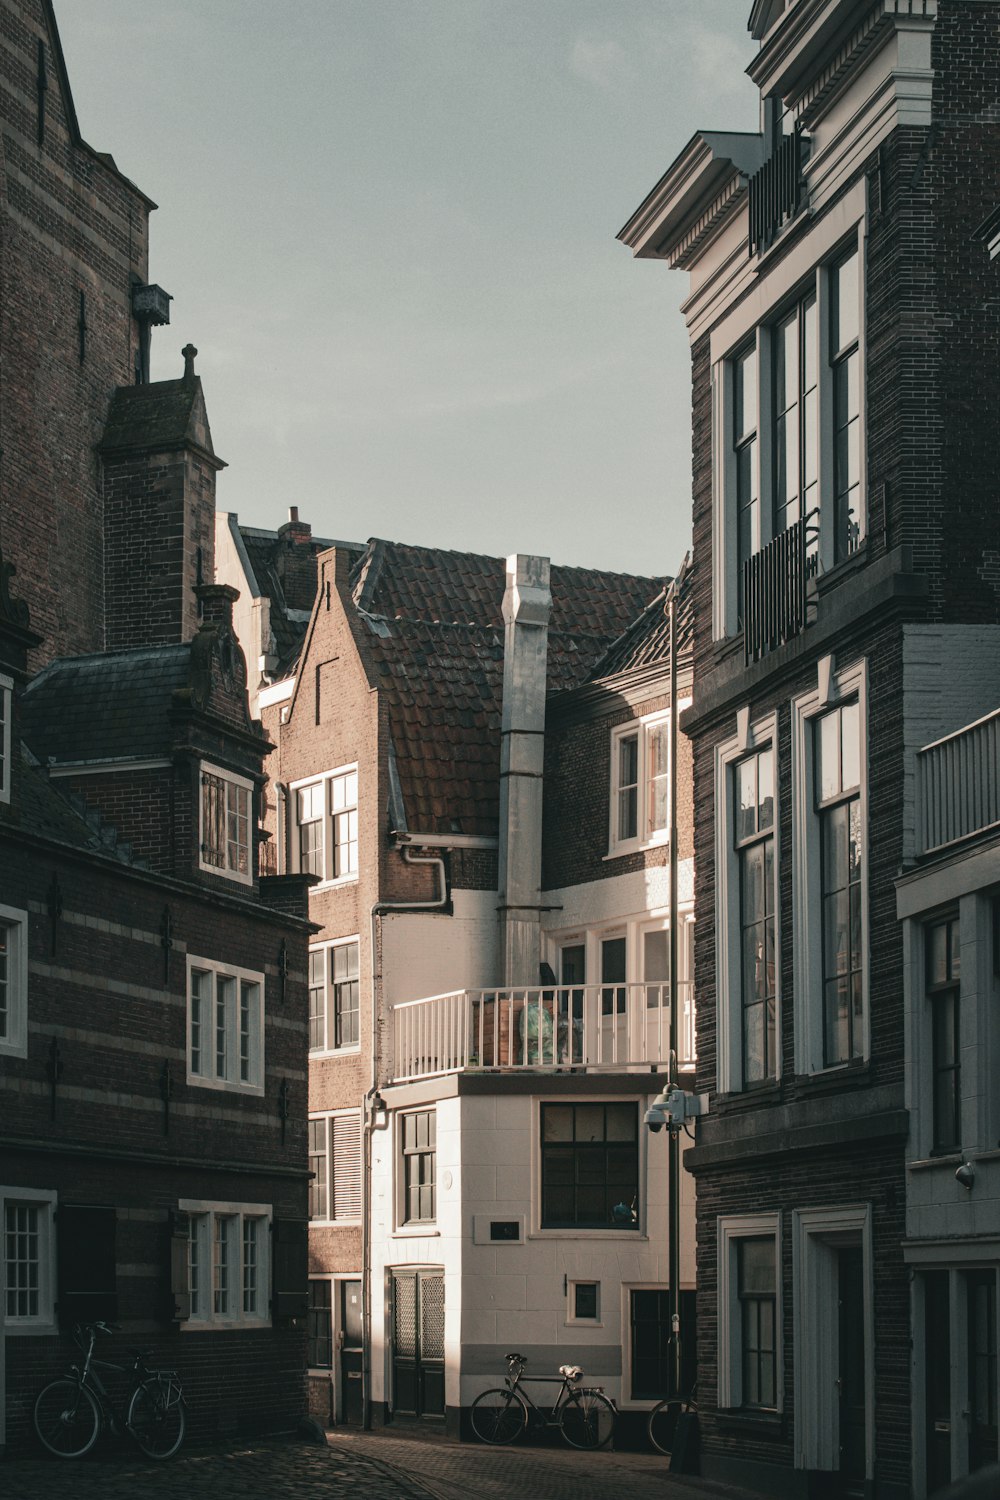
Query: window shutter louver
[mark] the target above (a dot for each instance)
(88, 1279)
(346, 1145)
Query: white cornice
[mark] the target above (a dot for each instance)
(817, 39)
(697, 188)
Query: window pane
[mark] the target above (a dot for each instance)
(585, 1299)
(745, 394)
(656, 955)
(317, 1000)
(557, 1122)
(613, 961)
(756, 1264)
(572, 963)
(765, 789)
(844, 303)
(621, 1122)
(746, 798)
(828, 755)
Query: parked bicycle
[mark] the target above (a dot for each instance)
(72, 1412)
(583, 1414)
(662, 1422)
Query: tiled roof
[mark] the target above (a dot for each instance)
(646, 642)
(288, 628)
(112, 706)
(435, 634)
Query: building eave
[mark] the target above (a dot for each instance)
(697, 190)
(795, 51)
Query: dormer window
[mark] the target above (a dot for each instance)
(6, 695)
(225, 834)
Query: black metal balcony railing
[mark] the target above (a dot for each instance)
(777, 192)
(774, 588)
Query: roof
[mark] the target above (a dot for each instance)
(288, 626)
(646, 642)
(434, 633)
(161, 414)
(112, 706)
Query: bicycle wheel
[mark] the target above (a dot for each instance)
(67, 1418)
(498, 1416)
(662, 1425)
(156, 1418)
(587, 1419)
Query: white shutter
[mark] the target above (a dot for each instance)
(346, 1142)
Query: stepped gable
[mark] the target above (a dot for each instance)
(435, 636)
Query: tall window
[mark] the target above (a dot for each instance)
(6, 687)
(943, 972)
(745, 449)
(320, 1355)
(335, 1161)
(326, 823)
(845, 363)
(228, 1262)
(794, 440)
(837, 784)
(226, 803)
(757, 1295)
(13, 981)
(640, 804)
(419, 1166)
(753, 823)
(590, 1166)
(334, 997)
(225, 1026)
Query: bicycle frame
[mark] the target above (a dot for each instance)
(513, 1382)
(111, 1415)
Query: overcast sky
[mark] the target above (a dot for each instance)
(389, 227)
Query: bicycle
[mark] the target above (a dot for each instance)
(71, 1412)
(583, 1414)
(661, 1424)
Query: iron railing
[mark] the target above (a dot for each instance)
(777, 192)
(564, 1028)
(775, 591)
(958, 785)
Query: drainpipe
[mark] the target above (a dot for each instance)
(371, 1109)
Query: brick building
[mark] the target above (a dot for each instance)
(467, 1004)
(152, 987)
(844, 328)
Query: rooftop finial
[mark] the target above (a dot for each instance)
(189, 352)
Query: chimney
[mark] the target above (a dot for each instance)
(526, 607)
(217, 600)
(295, 561)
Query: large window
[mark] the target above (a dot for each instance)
(226, 824)
(334, 997)
(325, 814)
(753, 826)
(229, 1263)
(640, 807)
(320, 1351)
(6, 692)
(335, 1162)
(837, 783)
(419, 1153)
(943, 974)
(28, 1259)
(590, 1166)
(225, 1026)
(13, 982)
(749, 1313)
(746, 467)
(845, 364)
(795, 452)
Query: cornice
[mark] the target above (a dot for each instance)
(807, 52)
(700, 188)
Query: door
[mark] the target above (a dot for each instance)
(351, 1352)
(982, 1326)
(613, 1001)
(418, 1343)
(937, 1363)
(851, 1368)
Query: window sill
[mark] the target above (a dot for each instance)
(831, 1080)
(222, 1086)
(736, 1420)
(626, 1236)
(417, 1231)
(621, 850)
(749, 1097)
(332, 885)
(224, 1325)
(233, 876)
(950, 1159)
(37, 1328)
(334, 1223)
(354, 1050)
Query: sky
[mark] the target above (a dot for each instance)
(389, 228)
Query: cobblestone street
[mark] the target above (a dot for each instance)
(364, 1466)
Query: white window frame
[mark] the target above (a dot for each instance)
(831, 690)
(326, 781)
(211, 1080)
(205, 1212)
(242, 787)
(6, 713)
(645, 836)
(352, 1215)
(329, 1047)
(772, 299)
(762, 734)
(571, 1320)
(15, 1043)
(732, 1229)
(405, 1226)
(45, 1201)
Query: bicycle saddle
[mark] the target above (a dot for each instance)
(571, 1372)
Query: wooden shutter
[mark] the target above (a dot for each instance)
(88, 1280)
(346, 1147)
(290, 1261)
(179, 1304)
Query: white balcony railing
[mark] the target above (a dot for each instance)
(958, 785)
(552, 1027)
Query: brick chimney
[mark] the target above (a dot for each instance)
(526, 607)
(217, 600)
(295, 561)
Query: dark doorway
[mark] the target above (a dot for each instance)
(982, 1322)
(351, 1354)
(851, 1368)
(652, 1354)
(937, 1363)
(418, 1343)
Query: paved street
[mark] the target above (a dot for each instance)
(364, 1466)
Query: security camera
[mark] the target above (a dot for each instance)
(655, 1118)
(965, 1174)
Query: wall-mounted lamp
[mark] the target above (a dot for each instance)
(380, 1111)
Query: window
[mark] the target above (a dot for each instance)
(640, 803)
(753, 830)
(790, 444)
(225, 1027)
(749, 1313)
(28, 1258)
(6, 693)
(419, 1166)
(335, 1161)
(226, 824)
(325, 813)
(13, 982)
(320, 1351)
(584, 1302)
(943, 969)
(334, 997)
(829, 870)
(590, 1166)
(228, 1262)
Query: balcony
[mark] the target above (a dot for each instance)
(562, 1029)
(775, 583)
(958, 785)
(777, 192)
